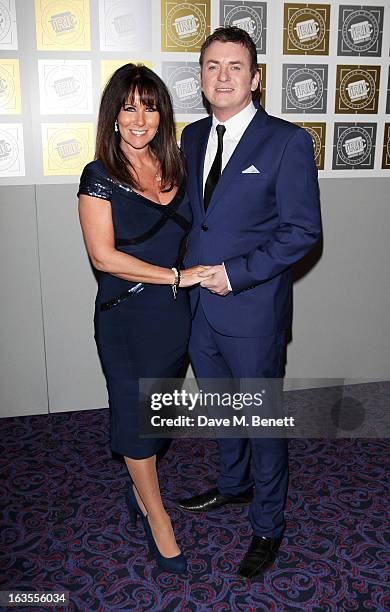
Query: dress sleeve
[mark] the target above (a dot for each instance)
(94, 184)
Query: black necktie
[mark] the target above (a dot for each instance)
(215, 170)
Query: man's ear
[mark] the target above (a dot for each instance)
(200, 78)
(255, 81)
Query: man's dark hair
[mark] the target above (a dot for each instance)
(234, 35)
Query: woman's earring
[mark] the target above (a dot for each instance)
(116, 129)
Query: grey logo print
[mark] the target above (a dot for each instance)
(183, 83)
(354, 146)
(5, 21)
(9, 152)
(249, 16)
(305, 88)
(360, 30)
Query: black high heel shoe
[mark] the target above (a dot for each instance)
(177, 564)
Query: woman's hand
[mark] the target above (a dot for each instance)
(190, 276)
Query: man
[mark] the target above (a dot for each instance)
(253, 186)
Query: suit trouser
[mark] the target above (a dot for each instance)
(214, 355)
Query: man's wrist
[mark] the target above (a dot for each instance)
(227, 278)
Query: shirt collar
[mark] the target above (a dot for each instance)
(236, 125)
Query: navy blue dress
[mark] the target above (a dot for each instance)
(144, 334)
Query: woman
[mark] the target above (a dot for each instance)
(134, 215)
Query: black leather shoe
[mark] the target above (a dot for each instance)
(259, 557)
(212, 499)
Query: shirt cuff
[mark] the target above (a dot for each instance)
(227, 278)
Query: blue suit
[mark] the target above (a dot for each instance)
(258, 224)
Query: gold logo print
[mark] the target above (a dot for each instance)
(317, 131)
(357, 89)
(66, 148)
(179, 127)
(7, 89)
(386, 148)
(10, 99)
(261, 94)
(185, 25)
(62, 24)
(306, 29)
(108, 67)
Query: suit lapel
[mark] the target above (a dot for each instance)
(204, 132)
(249, 141)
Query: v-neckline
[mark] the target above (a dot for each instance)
(153, 202)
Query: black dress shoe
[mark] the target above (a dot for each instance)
(259, 557)
(212, 499)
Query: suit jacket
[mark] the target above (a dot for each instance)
(258, 224)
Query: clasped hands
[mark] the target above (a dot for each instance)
(212, 278)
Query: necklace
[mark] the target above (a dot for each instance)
(157, 177)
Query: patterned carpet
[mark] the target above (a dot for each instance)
(65, 525)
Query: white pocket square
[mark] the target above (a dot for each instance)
(251, 170)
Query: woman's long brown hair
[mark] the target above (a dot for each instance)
(121, 88)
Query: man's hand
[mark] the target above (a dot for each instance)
(215, 280)
(191, 276)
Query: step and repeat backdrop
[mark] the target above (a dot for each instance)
(324, 66)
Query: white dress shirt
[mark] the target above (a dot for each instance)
(235, 127)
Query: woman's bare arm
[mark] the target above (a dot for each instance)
(98, 231)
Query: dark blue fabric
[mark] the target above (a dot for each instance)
(214, 355)
(146, 335)
(259, 224)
